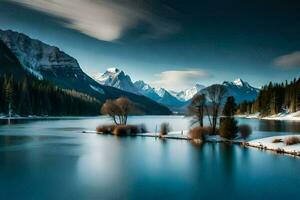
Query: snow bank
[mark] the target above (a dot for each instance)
(285, 116)
(266, 143)
(280, 116)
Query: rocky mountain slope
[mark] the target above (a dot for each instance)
(116, 78)
(9, 64)
(189, 93)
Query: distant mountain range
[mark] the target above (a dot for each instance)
(51, 64)
(114, 77)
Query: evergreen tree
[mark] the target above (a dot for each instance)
(228, 125)
(25, 102)
(32, 96)
(229, 107)
(8, 94)
(275, 98)
(228, 128)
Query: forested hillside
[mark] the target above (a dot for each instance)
(34, 97)
(274, 98)
(23, 94)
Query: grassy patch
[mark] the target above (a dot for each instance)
(199, 133)
(277, 140)
(164, 129)
(292, 140)
(120, 130)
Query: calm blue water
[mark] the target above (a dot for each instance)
(52, 159)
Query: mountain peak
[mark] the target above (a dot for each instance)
(141, 85)
(161, 92)
(113, 70)
(115, 77)
(239, 82)
(189, 93)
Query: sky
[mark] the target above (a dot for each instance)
(169, 43)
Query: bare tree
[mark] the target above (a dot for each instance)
(196, 108)
(118, 109)
(126, 108)
(215, 93)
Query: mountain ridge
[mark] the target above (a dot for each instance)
(238, 88)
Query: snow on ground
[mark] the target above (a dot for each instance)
(266, 143)
(285, 116)
(251, 116)
(280, 116)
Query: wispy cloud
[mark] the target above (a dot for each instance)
(179, 80)
(288, 61)
(105, 20)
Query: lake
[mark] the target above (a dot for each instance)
(53, 159)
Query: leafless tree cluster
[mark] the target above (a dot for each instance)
(216, 93)
(199, 105)
(196, 108)
(118, 110)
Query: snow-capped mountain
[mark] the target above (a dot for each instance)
(167, 98)
(159, 95)
(241, 90)
(146, 90)
(115, 77)
(50, 63)
(39, 58)
(188, 94)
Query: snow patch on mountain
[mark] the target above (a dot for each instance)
(35, 73)
(167, 98)
(239, 82)
(188, 94)
(146, 90)
(39, 58)
(115, 77)
(97, 89)
(241, 90)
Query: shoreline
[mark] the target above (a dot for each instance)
(280, 147)
(262, 143)
(295, 116)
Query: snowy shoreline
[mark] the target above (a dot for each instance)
(262, 143)
(295, 116)
(279, 147)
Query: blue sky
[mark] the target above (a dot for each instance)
(169, 43)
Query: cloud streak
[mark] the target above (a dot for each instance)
(288, 61)
(179, 79)
(105, 20)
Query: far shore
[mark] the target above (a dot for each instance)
(279, 117)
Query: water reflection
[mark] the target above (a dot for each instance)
(60, 162)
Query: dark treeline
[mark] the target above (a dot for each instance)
(274, 98)
(29, 96)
